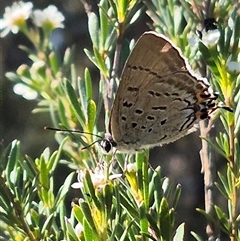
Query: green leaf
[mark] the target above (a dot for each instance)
(62, 113)
(143, 218)
(100, 62)
(78, 213)
(165, 224)
(223, 220)
(215, 147)
(152, 219)
(196, 236)
(225, 188)
(208, 216)
(83, 95)
(230, 176)
(208, 58)
(104, 23)
(90, 190)
(88, 231)
(47, 226)
(91, 57)
(180, 232)
(155, 188)
(53, 62)
(93, 27)
(88, 215)
(74, 103)
(88, 84)
(177, 195)
(13, 77)
(91, 115)
(108, 198)
(64, 189)
(128, 206)
(71, 232)
(222, 190)
(68, 58)
(43, 174)
(122, 6)
(12, 161)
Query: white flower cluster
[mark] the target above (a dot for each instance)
(49, 16)
(14, 18)
(97, 176)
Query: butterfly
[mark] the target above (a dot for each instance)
(159, 98)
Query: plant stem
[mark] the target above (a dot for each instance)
(209, 172)
(234, 196)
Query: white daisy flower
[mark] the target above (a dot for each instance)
(97, 176)
(15, 17)
(49, 18)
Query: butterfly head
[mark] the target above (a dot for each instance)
(108, 144)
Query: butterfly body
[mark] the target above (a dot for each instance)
(159, 98)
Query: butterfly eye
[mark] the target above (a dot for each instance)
(106, 146)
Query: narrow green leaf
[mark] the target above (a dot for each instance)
(122, 10)
(100, 62)
(88, 215)
(224, 224)
(128, 206)
(53, 62)
(91, 57)
(222, 190)
(209, 217)
(13, 77)
(180, 232)
(64, 189)
(108, 198)
(143, 219)
(93, 27)
(82, 95)
(235, 48)
(71, 233)
(152, 219)
(230, 178)
(225, 184)
(215, 147)
(62, 113)
(196, 236)
(104, 23)
(74, 102)
(165, 224)
(68, 58)
(13, 158)
(88, 84)
(155, 187)
(44, 174)
(78, 213)
(177, 195)
(88, 231)
(47, 226)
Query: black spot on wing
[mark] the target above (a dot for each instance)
(159, 107)
(132, 89)
(127, 104)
